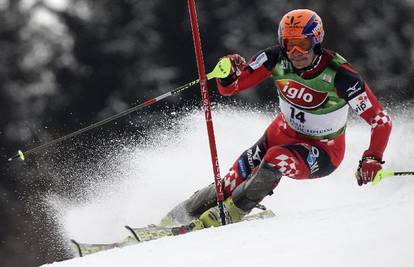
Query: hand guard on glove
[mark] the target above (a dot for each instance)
(238, 63)
(367, 169)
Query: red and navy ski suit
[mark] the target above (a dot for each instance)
(307, 139)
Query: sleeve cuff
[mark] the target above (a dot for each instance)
(376, 154)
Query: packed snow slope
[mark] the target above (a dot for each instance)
(322, 222)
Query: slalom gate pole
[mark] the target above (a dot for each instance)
(221, 70)
(206, 107)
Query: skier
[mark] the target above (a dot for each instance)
(316, 87)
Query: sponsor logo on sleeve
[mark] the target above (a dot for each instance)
(259, 61)
(312, 159)
(360, 103)
(354, 89)
(242, 168)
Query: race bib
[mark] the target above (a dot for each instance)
(313, 124)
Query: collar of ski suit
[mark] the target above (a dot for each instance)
(319, 64)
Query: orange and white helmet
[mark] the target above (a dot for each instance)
(300, 25)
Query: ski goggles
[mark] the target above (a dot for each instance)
(301, 45)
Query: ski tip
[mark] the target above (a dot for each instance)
(77, 245)
(129, 228)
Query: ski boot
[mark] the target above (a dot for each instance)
(192, 208)
(211, 217)
(245, 197)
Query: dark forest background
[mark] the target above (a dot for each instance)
(65, 67)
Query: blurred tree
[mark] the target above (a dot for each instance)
(377, 38)
(24, 88)
(116, 53)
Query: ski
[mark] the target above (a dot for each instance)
(153, 232)
(84, 249)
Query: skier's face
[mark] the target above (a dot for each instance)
(299, 51)
(300, 60)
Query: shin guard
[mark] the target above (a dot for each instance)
(249, 193)
(201, 200)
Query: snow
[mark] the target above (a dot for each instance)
(322, 222)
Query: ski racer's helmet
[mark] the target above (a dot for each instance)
(300, 30)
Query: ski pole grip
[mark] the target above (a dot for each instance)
(381, 174)
(221, 70)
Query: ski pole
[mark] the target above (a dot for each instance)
(221, 70)
(381, 174)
